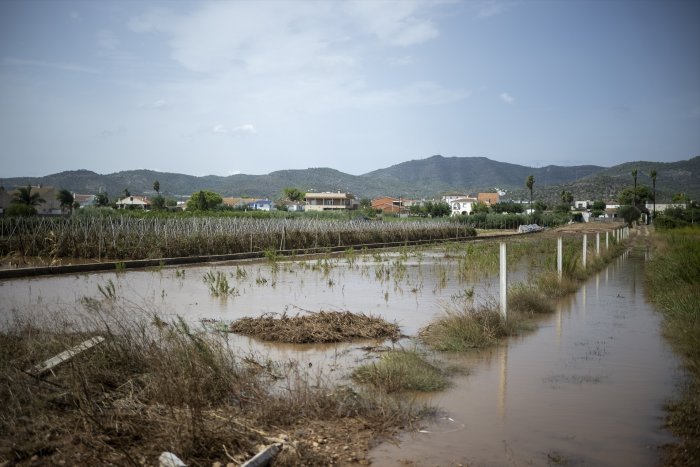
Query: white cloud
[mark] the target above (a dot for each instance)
(507, 98)
(275, 60)
(247, 128)
(241, 129)
(395, 23)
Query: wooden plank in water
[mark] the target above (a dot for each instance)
(64, 356)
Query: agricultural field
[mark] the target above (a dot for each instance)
(321, 394)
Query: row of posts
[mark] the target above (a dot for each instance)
(619, 235)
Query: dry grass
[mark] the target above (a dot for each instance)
(153, 386)
(318, 327)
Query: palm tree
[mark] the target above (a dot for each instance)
(634, 175)
(529, 183)
(652, 174)
(25, 196)
(66, 199)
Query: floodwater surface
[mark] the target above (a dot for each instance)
(587, 388)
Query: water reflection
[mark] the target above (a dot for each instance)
(586, 389)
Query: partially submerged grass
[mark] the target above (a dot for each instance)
(154, 387)
(470, 327)
(673, 284)
(322, 326)
(401, 370)
(528, 298)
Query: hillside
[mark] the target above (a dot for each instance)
(423, 178)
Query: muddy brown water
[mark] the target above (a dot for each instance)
(586, 388)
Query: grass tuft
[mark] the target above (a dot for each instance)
(401, 370)
(471, 327)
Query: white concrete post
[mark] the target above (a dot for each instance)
(606, 240)
(597, 243)
(560, 260)
(504, 282)
(585, 248)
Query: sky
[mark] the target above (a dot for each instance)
(228, 87)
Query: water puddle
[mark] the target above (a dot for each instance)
(586, 388)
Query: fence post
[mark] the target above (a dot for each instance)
(585, 248)
(606, 239)
(504, 281)
(560, 259)
(597, 243)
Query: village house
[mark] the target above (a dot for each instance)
(488, 199)
(462, 206)
(329, 201)
(134, 202)
(237, 203)
(392, 205)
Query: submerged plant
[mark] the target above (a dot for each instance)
(218, 284)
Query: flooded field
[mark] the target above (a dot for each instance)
(585, 388)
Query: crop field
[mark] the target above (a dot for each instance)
(127, 237)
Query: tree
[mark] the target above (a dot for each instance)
(567, 197)
(126, 193)
(653, 174)
(66, 199)
(294, 194)
(158, 203)
(540, 206)
(440, 209)
(634, 175)
(629, 214)
(480, 207)
(156, 186)
(101, 199)
(627, 195)
(366, 203)
(26, 197)
(203, 200)
(598, 205)
(530, 183)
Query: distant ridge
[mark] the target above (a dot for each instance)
(422, 178)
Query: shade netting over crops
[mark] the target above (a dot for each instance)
(138, 238)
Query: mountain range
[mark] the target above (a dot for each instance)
(422, 178)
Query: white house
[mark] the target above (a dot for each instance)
(453, 196)
(138, 202)
(462, 206)
(582, 204)
(261, 205)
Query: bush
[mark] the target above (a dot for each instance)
(20, 210)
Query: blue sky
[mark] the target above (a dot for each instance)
(228, 87)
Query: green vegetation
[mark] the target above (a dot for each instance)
(204, 200)
(673, 284)
(218, 284)
(469, 327)
(401, 370)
